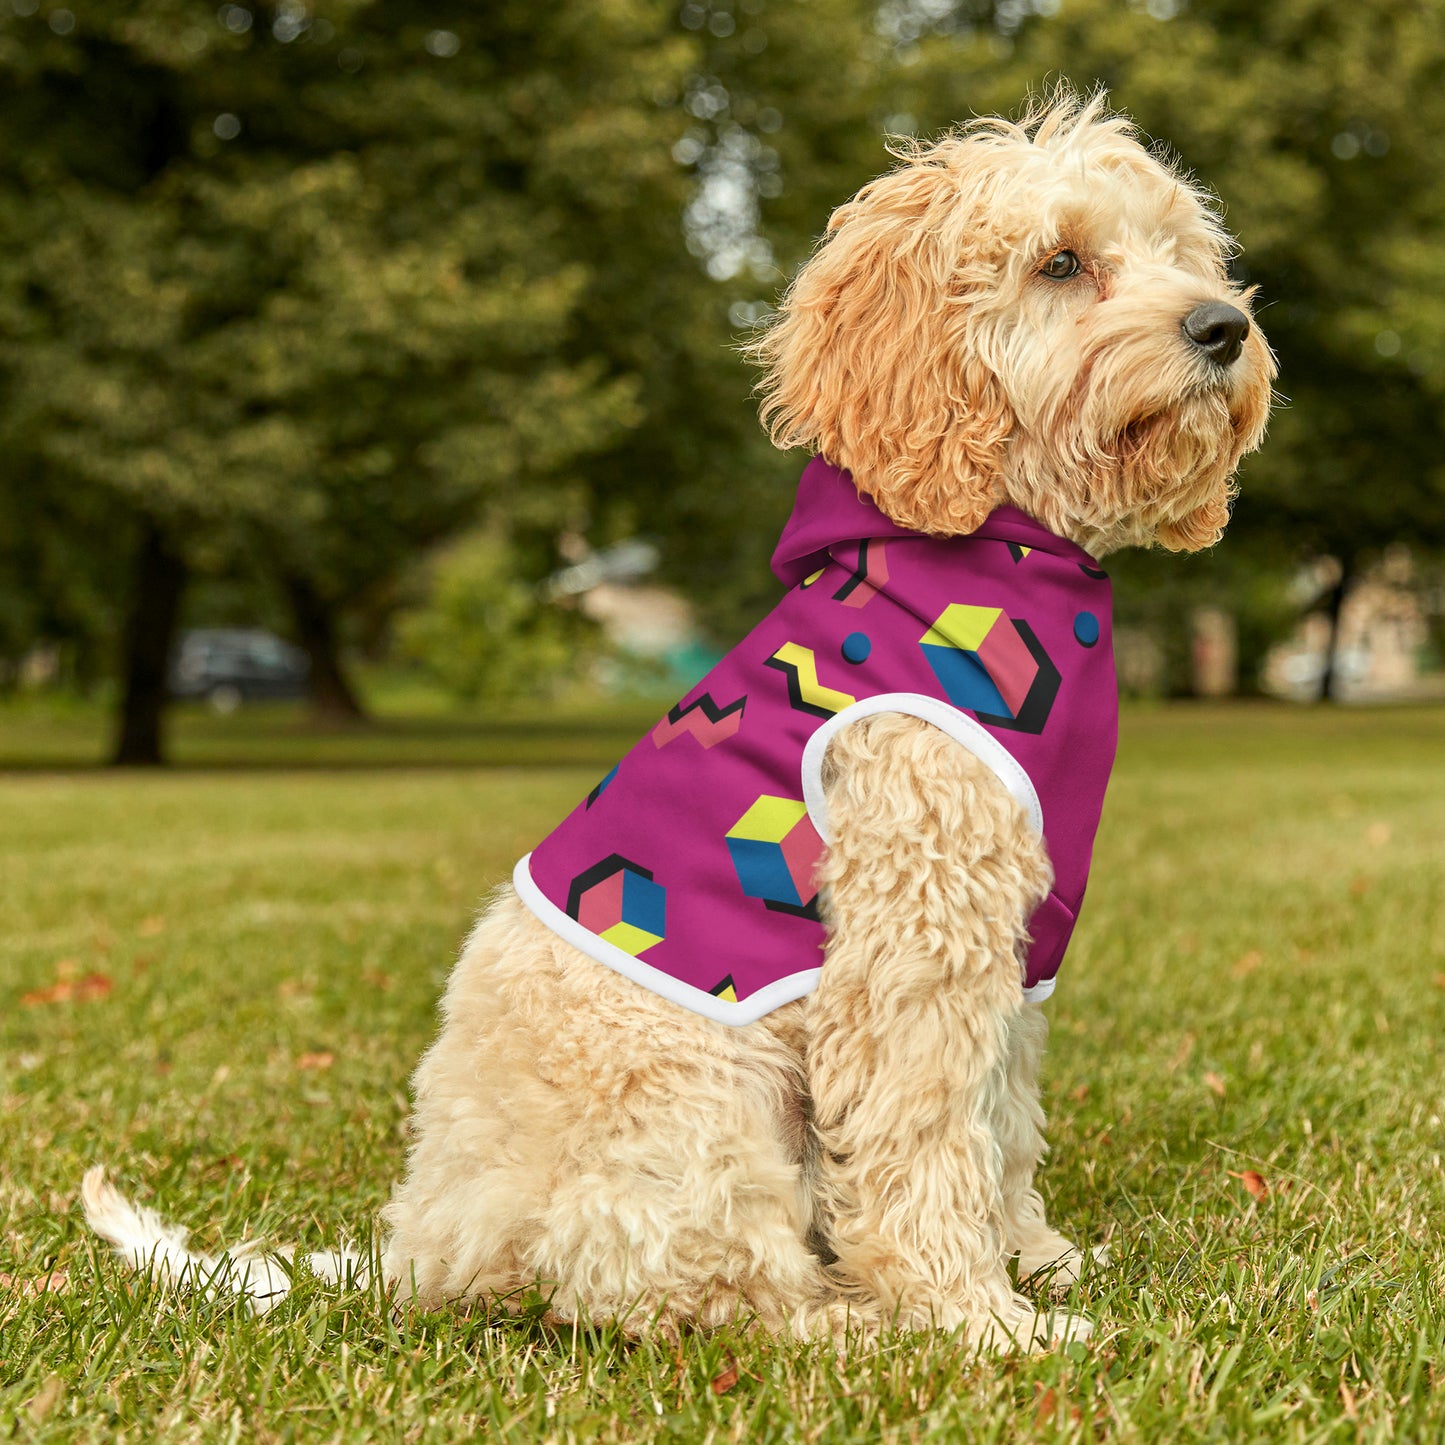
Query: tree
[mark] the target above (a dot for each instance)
(303, 281)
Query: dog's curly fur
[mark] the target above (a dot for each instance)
(864, 1156)
(867, 1153)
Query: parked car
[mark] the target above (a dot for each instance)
(227, 666)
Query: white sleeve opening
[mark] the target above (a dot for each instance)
(963, 729)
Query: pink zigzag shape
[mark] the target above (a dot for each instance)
(707, 722)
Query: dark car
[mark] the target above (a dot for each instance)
(230, 665)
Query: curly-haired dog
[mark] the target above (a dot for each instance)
(750, 1075)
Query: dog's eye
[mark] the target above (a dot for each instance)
(1061, 266)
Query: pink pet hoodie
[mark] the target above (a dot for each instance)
(690, 866)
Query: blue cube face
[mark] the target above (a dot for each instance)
(966, 681)
(644, 903)
(762, 870)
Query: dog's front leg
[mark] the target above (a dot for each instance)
(930, 879)
(1042, 1251)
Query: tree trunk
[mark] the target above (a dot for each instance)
(333, 699)
(150, 630)
(1329, 675)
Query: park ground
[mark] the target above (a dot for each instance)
(216, 980)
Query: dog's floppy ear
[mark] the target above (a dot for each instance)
(871, 361)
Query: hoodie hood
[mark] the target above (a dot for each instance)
(830, 513)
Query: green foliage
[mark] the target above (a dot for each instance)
(483, 632)
(322, 285)
(313, 290)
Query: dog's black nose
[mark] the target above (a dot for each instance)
(1217, 330)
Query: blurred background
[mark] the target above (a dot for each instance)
(365, 361)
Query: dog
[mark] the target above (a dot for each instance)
(784, 1068)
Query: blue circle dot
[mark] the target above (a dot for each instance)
(856, 647)
(1086, 628)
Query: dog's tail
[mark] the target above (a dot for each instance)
(148, 1244)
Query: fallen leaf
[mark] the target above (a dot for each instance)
(56, 993)
(82, 990)
(1046, 1408)
(321, 1059)
(724, 1382)
(56, 1282)
(1360, 885)
(377, 979)
(1254, 1182)
(1440, 980)
(1214, 1083)
(1247, 965)
(1080, 1094)
(151, 927)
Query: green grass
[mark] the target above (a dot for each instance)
(1256, 985)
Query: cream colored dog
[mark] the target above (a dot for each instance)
(1015, 314)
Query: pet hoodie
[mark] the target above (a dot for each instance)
(690, 866)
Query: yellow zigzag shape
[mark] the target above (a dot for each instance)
(799, 661)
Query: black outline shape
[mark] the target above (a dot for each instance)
(1034, 712)
(719, 989)
(608, 779)
(797, 910)
(590, 877)
(1016, 551)
(710, 710)
(858, 577)
(1097, 573)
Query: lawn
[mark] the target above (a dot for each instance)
(217, 979)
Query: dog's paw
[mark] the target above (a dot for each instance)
(1023, 1326)
(1057, 1268)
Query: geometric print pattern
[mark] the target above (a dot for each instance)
(993, 666)
(711, 797)
(619, 901)
(704, 719)
(868, 576)
(805, 692)
(775, 850)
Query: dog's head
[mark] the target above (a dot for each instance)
(1036, 313)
